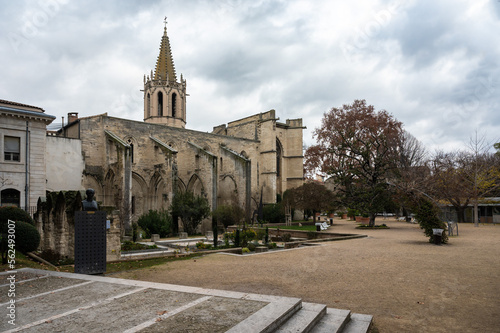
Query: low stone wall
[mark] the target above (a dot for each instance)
(297, 233)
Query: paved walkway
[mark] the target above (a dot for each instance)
(47, 301)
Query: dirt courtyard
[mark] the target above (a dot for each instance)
(396, 275)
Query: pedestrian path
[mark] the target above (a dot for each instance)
(47, 301)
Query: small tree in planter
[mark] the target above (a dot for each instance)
(228, 215)
(352, 213)
(191, 209)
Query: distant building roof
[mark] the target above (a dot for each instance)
(2, 101)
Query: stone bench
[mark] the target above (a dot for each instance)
(155, 237)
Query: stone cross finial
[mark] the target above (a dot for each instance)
(165, 21)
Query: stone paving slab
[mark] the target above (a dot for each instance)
(20, 276)
(118, 314)
(52, 303)
(37, 285)
(67, 302)
(215, 315)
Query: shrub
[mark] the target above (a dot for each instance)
(260, 234)
(252, 246)
(228, 215)
(272, 245)
(352, 213)
(203, 246)
(286, 237)
(245, 250)
(427, 215)
(14, 214)
(273, 213)
(27, 237)
(156, 222)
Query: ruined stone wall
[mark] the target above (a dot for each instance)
(200, 161)
(55, 221)
(223, 168)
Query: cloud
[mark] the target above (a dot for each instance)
(433, 65)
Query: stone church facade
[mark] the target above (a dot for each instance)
(137, 166)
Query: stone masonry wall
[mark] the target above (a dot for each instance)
(55, 222)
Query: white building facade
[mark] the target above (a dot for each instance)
(22, 154)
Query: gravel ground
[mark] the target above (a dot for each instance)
(396, 275)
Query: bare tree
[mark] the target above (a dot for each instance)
(485, 174)
(450, 180)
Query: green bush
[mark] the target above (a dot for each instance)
(156, 222)
(427, 215)
(242, 237)
(261, 233)
(228, 215)
(286, 237)
(352, 213)
(272, 246)
(202, 246)
(252, 246)
(273, 213)
(14, 214)
(27, 237)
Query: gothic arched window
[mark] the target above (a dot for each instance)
(279, 155)
(160, 104)
(174, 104)
(148, 106)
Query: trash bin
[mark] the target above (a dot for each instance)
(318, 227)
(438, 235)
(331, 221)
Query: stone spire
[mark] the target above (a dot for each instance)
(165, 69)
(164, 97)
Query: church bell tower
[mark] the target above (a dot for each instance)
(164, 97)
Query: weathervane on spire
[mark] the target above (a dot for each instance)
(165, 21)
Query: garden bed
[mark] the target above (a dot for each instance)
(375, 227)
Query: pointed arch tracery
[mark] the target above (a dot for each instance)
(195, 185)
(108, 188)
(139, 196)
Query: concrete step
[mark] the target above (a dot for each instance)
(359, 323)
(335, 320)
(304, 319)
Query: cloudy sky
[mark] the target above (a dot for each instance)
(435, 65)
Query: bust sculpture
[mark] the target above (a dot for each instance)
(89, 204)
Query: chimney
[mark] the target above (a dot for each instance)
(72, 116)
